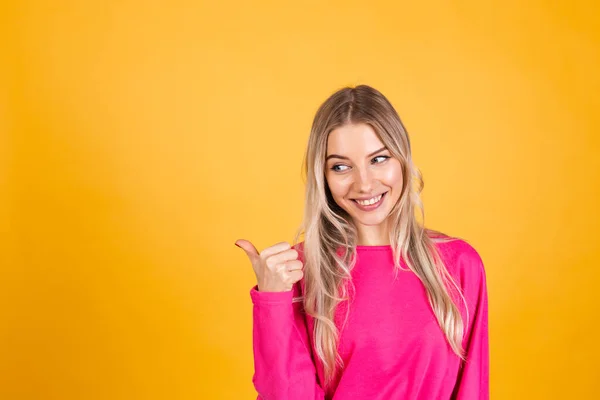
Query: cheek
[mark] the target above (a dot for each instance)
(337, 187)
(392, 177)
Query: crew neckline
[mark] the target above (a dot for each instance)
(374, 248)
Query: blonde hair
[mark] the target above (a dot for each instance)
(327, 227)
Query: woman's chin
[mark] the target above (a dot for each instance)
(369, 220)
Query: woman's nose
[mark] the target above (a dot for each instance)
(363, 180)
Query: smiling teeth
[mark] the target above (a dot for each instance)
(369, 202)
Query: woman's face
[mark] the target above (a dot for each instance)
(359, 167)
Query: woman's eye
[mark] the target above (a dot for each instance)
(384, 158)
(337, 170)
(335, 167)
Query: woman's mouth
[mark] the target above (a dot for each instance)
(371, 204)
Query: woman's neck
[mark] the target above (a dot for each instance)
(372, 236)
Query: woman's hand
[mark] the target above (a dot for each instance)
(277, 268)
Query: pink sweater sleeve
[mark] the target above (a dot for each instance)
(283, 363)
(473, 378)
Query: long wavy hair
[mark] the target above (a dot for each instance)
(327, 227)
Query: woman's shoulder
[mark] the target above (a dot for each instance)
(461, 258)
(457, 253)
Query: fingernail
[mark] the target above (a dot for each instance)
(238, 245)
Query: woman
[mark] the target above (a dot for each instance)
(371, 305)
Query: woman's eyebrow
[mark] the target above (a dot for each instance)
(346, 158)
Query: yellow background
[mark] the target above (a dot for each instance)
(140, 139)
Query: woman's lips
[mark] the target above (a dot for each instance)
(372, 206)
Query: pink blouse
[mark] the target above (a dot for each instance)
(392, 345)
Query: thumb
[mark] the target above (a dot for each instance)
(248, 248)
